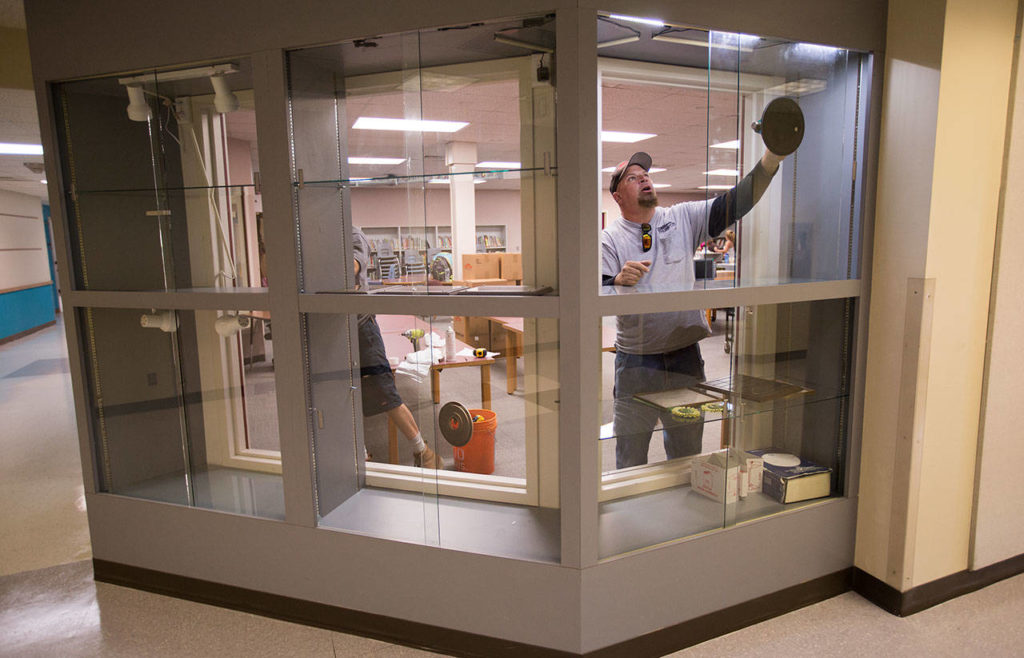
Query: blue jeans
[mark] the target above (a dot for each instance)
(634, 421)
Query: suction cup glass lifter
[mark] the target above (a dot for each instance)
(781, 126)
(456, 424)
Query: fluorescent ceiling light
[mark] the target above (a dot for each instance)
(652, 170)
(508, 41)
(408, 125)
(634, 19)
(734, 145)
(20, 149)
(623, 137)
(715, 187)
(376, 161)
(663, 185)
(495, 164)
(746, 42)
(43, 181)
(722, 172)
(617, 42)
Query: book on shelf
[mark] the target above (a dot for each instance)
(791, 479)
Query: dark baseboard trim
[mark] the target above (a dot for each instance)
(938, 591)
(460, 643)
(22, 334)
(378, 627)
(715, 624)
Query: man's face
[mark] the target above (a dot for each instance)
(635, 189)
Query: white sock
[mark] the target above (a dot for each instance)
(418, 444)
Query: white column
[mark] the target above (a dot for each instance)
(460, 157)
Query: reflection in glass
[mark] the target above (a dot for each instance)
(184, 407)
(773, 378)
(441, 143)
(412, 371)
(802, 223)
(161, 195)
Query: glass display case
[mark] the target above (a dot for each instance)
(418, 163)
(183, 409)
(707, 390)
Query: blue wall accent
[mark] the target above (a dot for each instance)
(22, 310)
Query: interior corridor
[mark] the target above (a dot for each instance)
(49, 604)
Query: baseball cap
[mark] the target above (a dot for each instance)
(638, 158)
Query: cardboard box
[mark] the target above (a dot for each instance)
(717, 475)
(511, 266)
(475, 332)
(481, 266)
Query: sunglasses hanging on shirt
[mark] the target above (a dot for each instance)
(645, 236)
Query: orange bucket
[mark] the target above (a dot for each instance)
(477, 456)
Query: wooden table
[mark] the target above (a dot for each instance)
(398, 346)
(514, 345)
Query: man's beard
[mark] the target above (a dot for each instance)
(650, 201)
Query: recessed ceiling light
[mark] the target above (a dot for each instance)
(722, 172)
(496, 164)
(623, 137)
(652, 170)
(20, 149)
(734, 145)
(635, 19)
(663, 185)
(408, 125)
(715, 187)
(376, 161)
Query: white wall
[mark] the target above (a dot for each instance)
(998, 535)
(23, 258)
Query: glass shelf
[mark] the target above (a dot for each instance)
(378, 181)
(737, 409)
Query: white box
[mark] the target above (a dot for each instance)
(717, 474)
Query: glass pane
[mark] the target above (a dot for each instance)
(481, 393)
(445, 158)
(184, 407)
(134, 147)
(757, 390)
(801, 222)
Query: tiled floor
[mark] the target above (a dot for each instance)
(50, 606)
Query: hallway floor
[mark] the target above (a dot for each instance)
(50, 606)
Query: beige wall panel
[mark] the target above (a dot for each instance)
(23, 256)
(906, 150)
(999, 494)
(976, 64)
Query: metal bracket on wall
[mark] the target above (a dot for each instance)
(301, 177)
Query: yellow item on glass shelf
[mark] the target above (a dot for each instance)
(685, 413)
(713, 407)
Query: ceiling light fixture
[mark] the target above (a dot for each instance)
(618, 42)
(722, 172)
(43, 181)
(734, 145)
(624, 137)
(375, 161)
(20, 149)
(634, 19)
(508, 41)
(408, 125)
(663, 185)
(715, 187)
(224, 100)
(496, 164)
